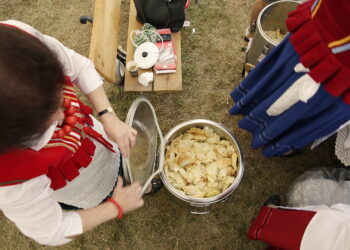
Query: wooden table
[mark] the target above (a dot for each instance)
(162, 82)
(104, 37)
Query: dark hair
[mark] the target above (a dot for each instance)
(31, 80)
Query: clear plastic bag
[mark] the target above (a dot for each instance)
(320, 186)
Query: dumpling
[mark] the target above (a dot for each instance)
(176, 180)
(212, 172)
(196, 131)
(223, 173)
(212, 193)
(185, 159)
(194, 191)
(227, 182)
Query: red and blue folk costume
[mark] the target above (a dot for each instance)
(319, 38)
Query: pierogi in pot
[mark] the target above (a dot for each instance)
(200, 164)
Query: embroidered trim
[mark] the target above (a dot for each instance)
(341, 49)
(70, 88)
(72, 138)
(51, 145)
(71, 98)
(339, 42)
(316, 7)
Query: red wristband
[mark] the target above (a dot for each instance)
(119, 208)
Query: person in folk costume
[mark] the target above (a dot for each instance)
(53, 153)
(300, 91)
(296, 95)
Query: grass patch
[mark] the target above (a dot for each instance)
(212, 64)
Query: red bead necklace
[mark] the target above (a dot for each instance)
(69, 120)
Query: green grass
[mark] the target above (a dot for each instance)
(212, 64)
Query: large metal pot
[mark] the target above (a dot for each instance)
(142, 165)
(272, 17)
(224, 133)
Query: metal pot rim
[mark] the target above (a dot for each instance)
(229, 190)
(262, 12)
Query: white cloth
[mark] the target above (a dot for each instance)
(329, 229)
(33, 205)
(32, 208)
(301, 90)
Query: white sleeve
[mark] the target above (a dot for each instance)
(31, 207)
(328, 229)
(80, 69)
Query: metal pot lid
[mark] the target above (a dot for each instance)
(140, 165)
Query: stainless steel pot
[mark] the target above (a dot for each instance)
(142, 166)
(272, 17)
(224, 134)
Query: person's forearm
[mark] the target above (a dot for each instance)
(99, 99)
(95, 216)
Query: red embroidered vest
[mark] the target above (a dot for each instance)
(61, 158)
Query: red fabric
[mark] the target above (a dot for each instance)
(61, 158)
(86, 110)
(311, 36)
(70, 171)
(82, 158)
(282, 228)
(97, 136)
(25, 169)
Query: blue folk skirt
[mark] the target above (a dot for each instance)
(298, 126)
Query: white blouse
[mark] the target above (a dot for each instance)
(33, 205)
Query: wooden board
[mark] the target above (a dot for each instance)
(130, 83)
(104, 38)
(162, 83)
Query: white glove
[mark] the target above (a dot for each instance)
(301, 90)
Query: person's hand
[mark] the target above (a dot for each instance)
(129, 197)
(119, 132)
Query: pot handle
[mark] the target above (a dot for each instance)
(161, 154)
(200, 209)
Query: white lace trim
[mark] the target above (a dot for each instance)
(94, 182)
(342, 149)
